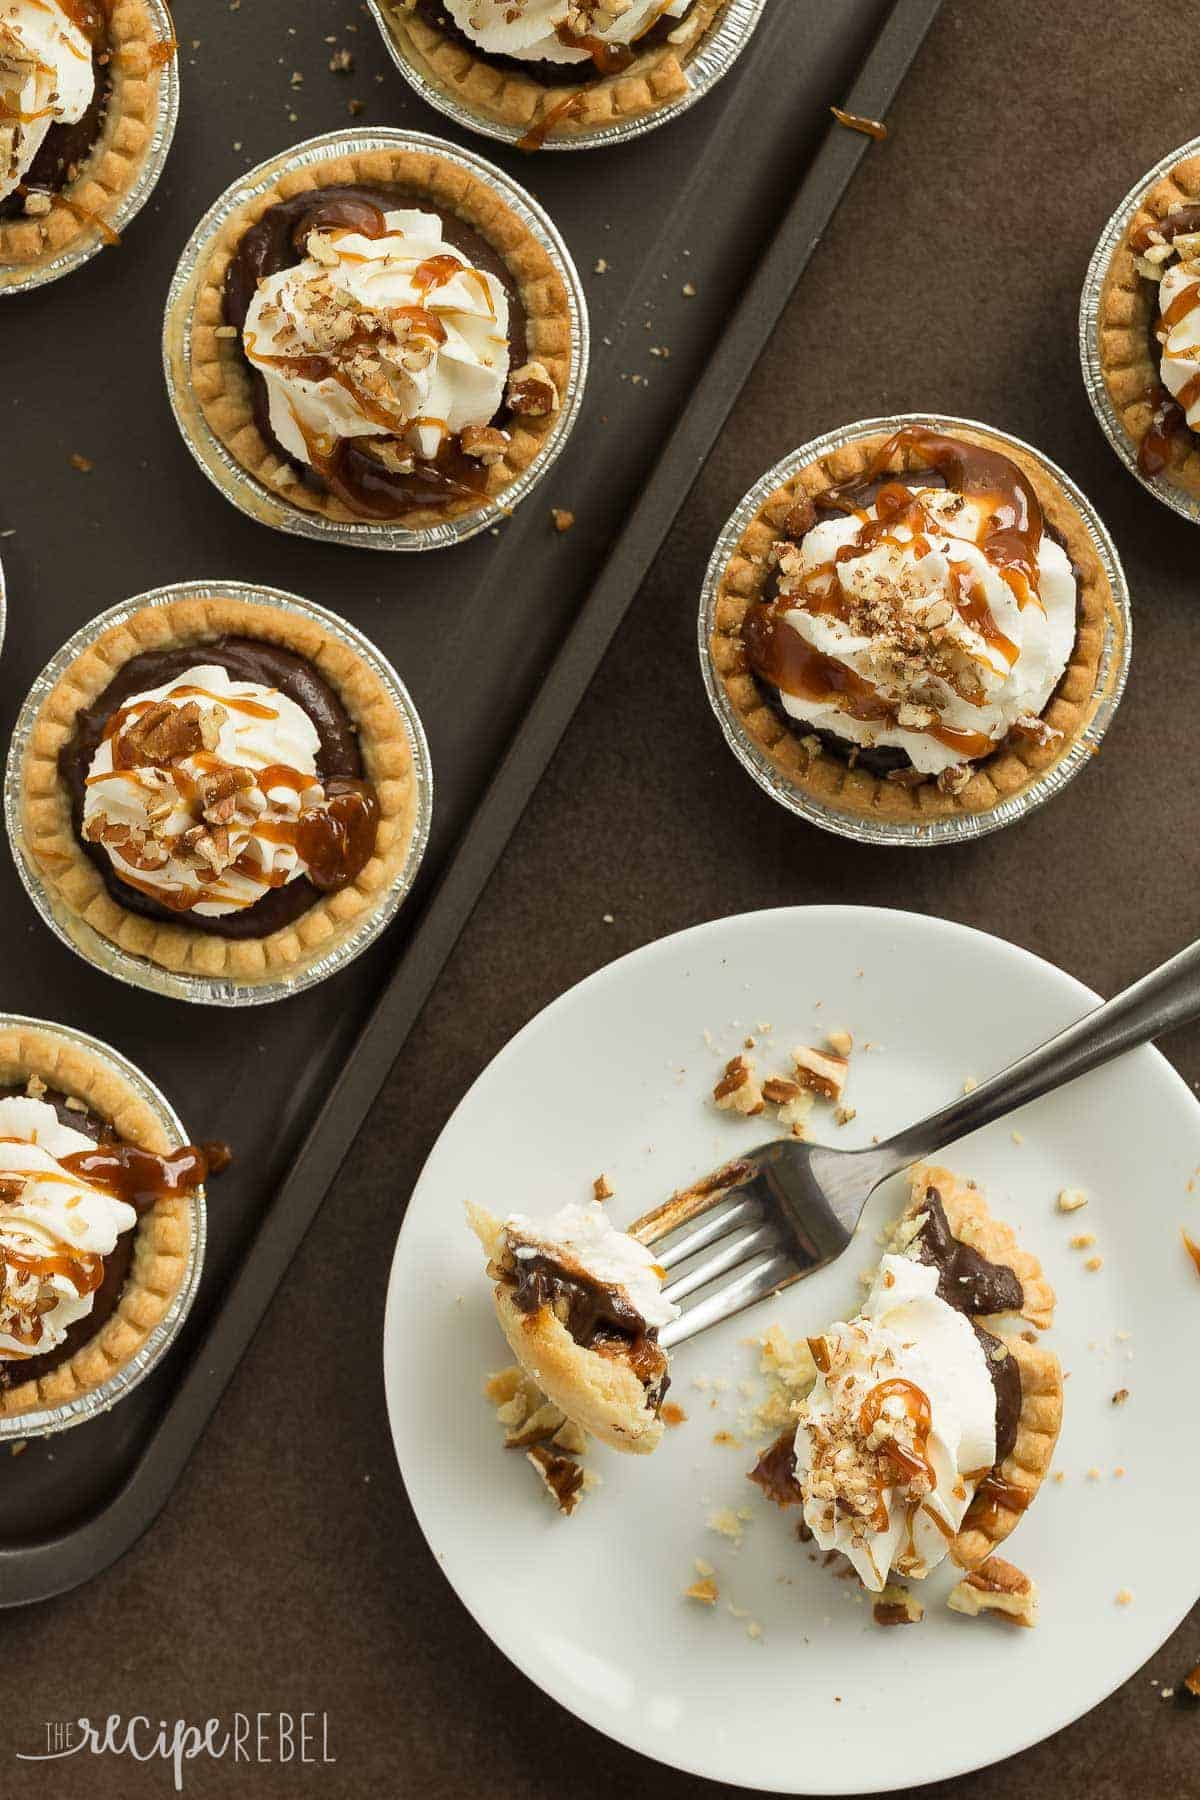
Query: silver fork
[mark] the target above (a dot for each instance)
(788, 1208)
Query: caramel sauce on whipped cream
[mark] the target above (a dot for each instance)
(936, 614)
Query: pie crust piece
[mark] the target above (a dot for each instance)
(161, 1236)
(221, 380)
(986, 1526)
(818, 772)
(1128, 304)
(75, 885)
(600, 1394)
(503, 96)
(137, 72)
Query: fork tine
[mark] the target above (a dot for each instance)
(717, 1224)
(756, 1281)
(690, 1202)
(730, 1256)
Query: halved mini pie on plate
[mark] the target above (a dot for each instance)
(580, 1304)
(932, 1419)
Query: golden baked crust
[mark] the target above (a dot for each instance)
(600, 1394)
(501, 95)
(161, 1236)
(138, 71)
(221, 381)
(1127, 307)
(989, 1520)
(971, 1222)
(820, 773)
(74, 883)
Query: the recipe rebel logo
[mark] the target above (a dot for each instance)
(256, 1739)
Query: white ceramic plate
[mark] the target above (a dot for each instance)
(614, 1077)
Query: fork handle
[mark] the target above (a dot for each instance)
(1169, 996)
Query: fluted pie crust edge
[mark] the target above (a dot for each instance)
(221, 382)
(1028, 1463)
(118, 154)
(75, 885)
(503, 96)
(162, 1235)
(827, 777)
(1127, 307)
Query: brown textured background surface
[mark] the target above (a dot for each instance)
(287, 1571)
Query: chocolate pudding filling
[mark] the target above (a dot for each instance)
(597, 1316)
(766, 655)
(605, 59)
(1168, 430)
(972, 1285)
(352, 471)
(339, 766)
(65, 148)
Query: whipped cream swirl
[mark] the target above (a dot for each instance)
(917, 641)
(1179, 330)
(552, 30)
(898, 1430)
(387, 337)
(204, 820)
(55, 1229)
(584, 1238)
(46, 79)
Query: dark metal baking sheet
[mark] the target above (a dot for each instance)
(497, 639)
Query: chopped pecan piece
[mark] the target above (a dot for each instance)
(794, 1102)
(531, 391)
(737, 1090)
(896, 1606)
(484, 443)
(165, 731)
(821, 1070)
(997, 1587)
(801, 517)
(209, 846)
(218, 793)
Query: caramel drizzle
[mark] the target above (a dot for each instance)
(1193, 1249)
(1185, 303)
(783, 658)
(540, 130)
(919, 1413)
(436, 271)
(1011, 529)
(334, 838)
(994, 1497)
(126, 1172)
(872, 128)
(1009, 537)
